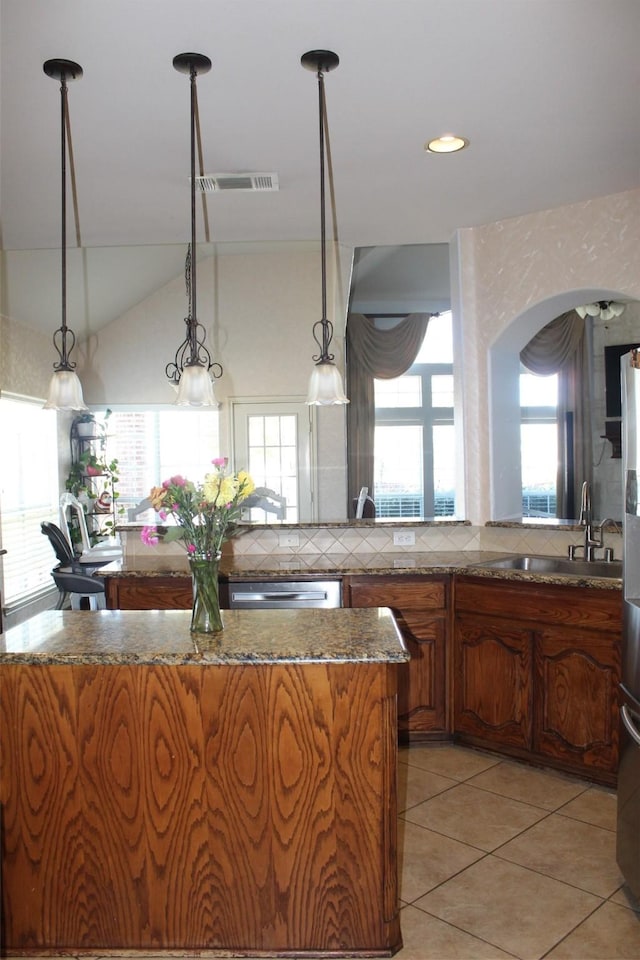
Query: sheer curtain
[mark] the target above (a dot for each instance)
(562, 347)
(373, 353)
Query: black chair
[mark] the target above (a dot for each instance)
(72, 579)
(60, 544)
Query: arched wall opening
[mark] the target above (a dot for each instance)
(504, 394)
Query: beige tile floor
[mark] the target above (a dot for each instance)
(500, 860)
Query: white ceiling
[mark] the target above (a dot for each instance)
(545, 90)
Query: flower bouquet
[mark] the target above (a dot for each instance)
(206, 514)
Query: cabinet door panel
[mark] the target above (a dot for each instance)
(492, 682)
(421, 681)
(576, 707)
(419, 605)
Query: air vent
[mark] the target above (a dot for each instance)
(218, 182)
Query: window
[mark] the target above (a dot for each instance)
(273, 445)
(539, 443)
(29, 494)
(152, 445)
(273, 439)
(414, 456)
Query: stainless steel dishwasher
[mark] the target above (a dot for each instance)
(284, 594)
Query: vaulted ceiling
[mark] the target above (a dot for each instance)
(546, 91)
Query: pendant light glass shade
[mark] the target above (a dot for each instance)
(65, 392)
(325, 386)
(196, 387)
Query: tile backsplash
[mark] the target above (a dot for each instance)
(353, 538)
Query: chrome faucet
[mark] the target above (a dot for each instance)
(585, 504)
(593, 533)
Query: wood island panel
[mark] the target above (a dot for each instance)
(227, 807)
(231, 794)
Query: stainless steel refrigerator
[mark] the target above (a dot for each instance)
(628, 825)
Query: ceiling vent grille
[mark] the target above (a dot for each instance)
(249, 182)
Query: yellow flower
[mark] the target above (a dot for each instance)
(245, 484)
(228, 491)
(157, 496)
(219, 490)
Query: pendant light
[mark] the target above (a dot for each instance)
(605, 309)
(325, 385)
(192, 369)
(65, 389)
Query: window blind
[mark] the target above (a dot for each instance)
(29, 494)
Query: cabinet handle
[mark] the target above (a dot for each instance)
(628, 717)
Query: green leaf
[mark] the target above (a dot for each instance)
(173, 534)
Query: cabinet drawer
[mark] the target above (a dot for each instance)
(536, 602)
(402, 592)
(149, 593)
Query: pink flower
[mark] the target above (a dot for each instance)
(220, 461)
(149, 536)
(163, 514)
(191, 548)
(178, 481)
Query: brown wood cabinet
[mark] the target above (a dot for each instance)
(421, 606)
(536, 670)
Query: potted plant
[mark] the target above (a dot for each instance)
(86, 425)
(93, 481)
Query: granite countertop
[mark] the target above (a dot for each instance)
(432, 563)
(255, 566)
(114, 637)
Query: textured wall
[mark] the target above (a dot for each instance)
(26, 359)
(514, 276)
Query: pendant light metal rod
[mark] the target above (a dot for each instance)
(194, 306)
(63, 338)
(323, 237)
(192, 353)
(63, 218)
(322, 61)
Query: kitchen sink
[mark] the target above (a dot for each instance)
(557, 565)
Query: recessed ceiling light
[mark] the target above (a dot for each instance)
(448, 143)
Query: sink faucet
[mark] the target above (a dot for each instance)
(593, 533)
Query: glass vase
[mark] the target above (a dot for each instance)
(206, 616)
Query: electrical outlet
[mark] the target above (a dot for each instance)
(289, 540)
(404, 538)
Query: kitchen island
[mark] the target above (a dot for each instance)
(230, 794)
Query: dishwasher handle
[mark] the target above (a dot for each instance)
(292, 597)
